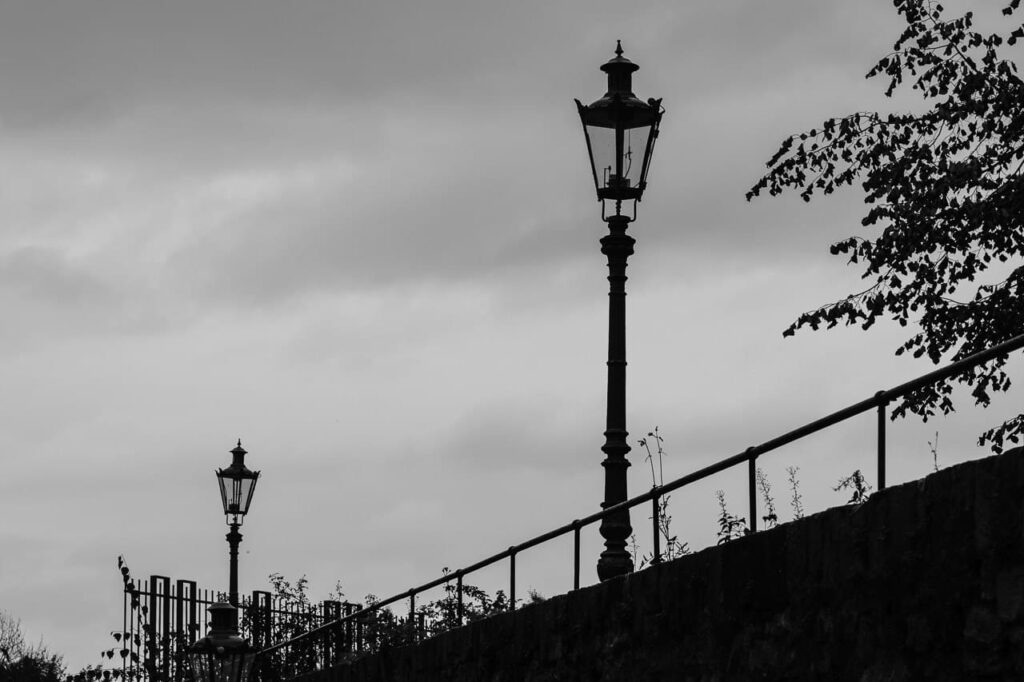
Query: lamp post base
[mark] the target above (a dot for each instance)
(613, 563)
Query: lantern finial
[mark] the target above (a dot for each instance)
(618, 48)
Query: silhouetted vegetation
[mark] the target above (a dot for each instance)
(857, 485)
(945, 193)
(730, 527)
(24, 662)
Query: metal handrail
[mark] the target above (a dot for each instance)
(878, 401)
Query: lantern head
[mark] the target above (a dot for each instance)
(620, 130)
(237, 484)
(222, 655)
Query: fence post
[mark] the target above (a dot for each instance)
(332, 642)
(183, 624)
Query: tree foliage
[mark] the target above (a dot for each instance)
(23, 662)
(944, 191)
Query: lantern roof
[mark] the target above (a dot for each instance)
(238, 470)
(223, 636)
(619, 107)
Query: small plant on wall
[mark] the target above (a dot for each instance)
(730, 527)
(672, 547)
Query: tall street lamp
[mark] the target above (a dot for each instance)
(620, 130)
(222, 655)
(237, 484)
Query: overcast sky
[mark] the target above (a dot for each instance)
(362, 237)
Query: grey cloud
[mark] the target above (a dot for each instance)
(48, 297)
(45, 276)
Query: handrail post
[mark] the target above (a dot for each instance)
(655, 513)
(412, 615)
(512, 577)
(752, 482)
(576, 555)
(881, 440)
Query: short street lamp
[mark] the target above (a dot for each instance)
(620, 130)
(237, 484)
(222, 655)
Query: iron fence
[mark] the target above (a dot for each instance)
(162, 617)
(369, 628)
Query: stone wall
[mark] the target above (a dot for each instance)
(924, 581)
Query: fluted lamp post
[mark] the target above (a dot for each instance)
(620, 130)
(222, 655)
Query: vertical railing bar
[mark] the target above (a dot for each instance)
(133, 616)
(655, 513)
(351, 633)
(193, 612)
(151, 659)
(165, 621)
(576, 555)
(141, 653)
(320, 642)
(512, 578)
(752, 482)
(179, 627)
(881, 442)
(124, 630)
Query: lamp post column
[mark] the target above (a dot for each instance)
(615, 529)
(234, 537)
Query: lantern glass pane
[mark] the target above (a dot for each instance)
(618, 167)
(226, 492)
(201, 666)
(602, 145)
(244, 489)
(634, 146)
(227, 667)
